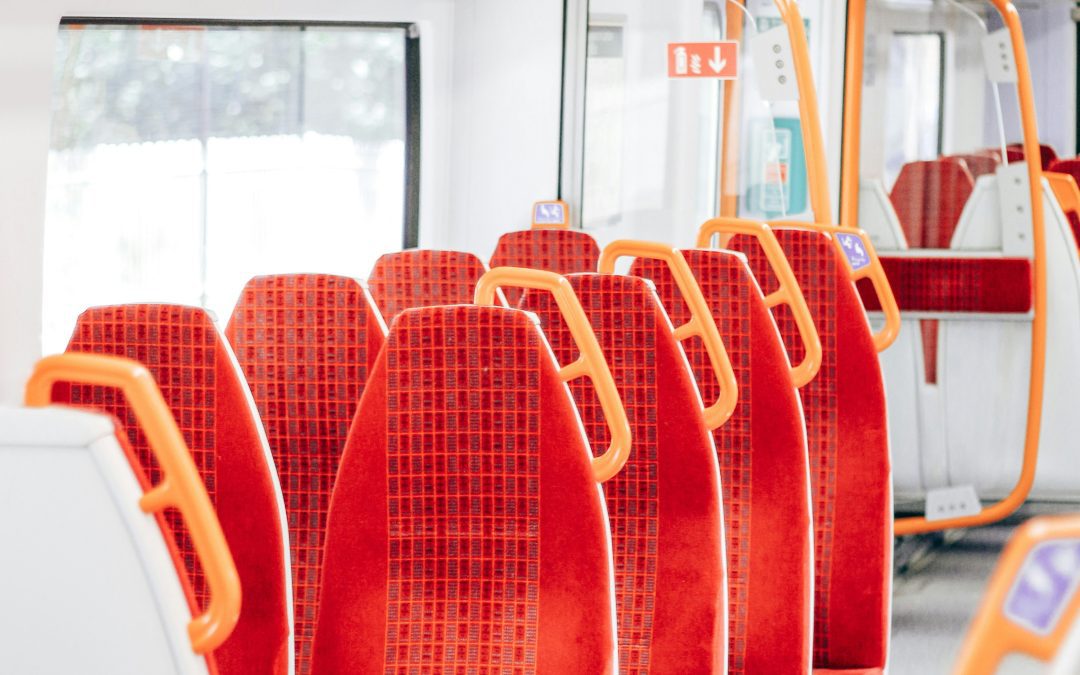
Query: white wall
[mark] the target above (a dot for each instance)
(490, 75)
(507, 89)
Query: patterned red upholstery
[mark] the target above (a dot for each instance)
(422, 278)
(1070, 167)
(466, 533)
(763, 468)
(978, 165)
(664, 506)
(199, 379)
(849, 453)
(929, 198)
(306, 343)
(983, 285)
(1047, 154)
(560, 251)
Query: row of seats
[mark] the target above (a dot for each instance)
(751, 521)
(422, 409)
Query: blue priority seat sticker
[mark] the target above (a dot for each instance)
(857, 255)
(1045, 585)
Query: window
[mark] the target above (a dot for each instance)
(913, 121)
(709, 169)
(187, 158)
(604, 100)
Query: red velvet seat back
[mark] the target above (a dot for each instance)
(849, 453)
(665, 504)
(466, 532)
(199, 379)
(1047, 154)
(560, 251)
(929, 198)
(763, 468)
(306, 343)
(422, 278)
(978, 165)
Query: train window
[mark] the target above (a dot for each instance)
(186, 158)
(913, 126)
(638, 124)
(605, 89)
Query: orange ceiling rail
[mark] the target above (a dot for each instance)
(701, 324)
(997, 630)
(180, 488)
(591, 363)
(850, 182)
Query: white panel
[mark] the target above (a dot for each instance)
(878, 217)
(998, 56)
(774, 65)
(1014, 200)
(87, 581)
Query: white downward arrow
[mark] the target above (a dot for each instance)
(717, 63)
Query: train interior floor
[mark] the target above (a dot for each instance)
(938, 582)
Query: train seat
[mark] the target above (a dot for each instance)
(980, 292)
(846, 426)
(977, 164)
(91, 577)
(306, 343)
(929, 197)
(559, 251)
(665, 505)
(203, 386)
(1047, 154)
(88, 581)
(422, 278)
(764, 475)
(1064, 177)
(467, 530)
(1028, 617)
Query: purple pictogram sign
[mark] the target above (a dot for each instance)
(1044, 586)
(856, 253)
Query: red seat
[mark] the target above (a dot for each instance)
(978, 165)
(845, 413)
(422, 278)
(200, 381)
(763, 468)
(1070, 167)
(929, 198)
(1047, 154)
(665, 505)
(306, 344)
(559, 251)
(466, 533)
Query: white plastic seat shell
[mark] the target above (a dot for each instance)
(86, 579)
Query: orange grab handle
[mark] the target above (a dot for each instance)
(869, 268)
(993, 633)
(591, 363)
(1015, 499)
(701, 323)
(181, 486)
(789, 293)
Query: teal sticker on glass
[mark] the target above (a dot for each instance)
(776, 186)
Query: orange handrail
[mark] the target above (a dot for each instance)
(180, 488)
(789, 293)
(872, 270)
(851, 152)
(701, 323)
(852, 110)
(591, 363)
(729, 137)
(993, 635)
(813, 142)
